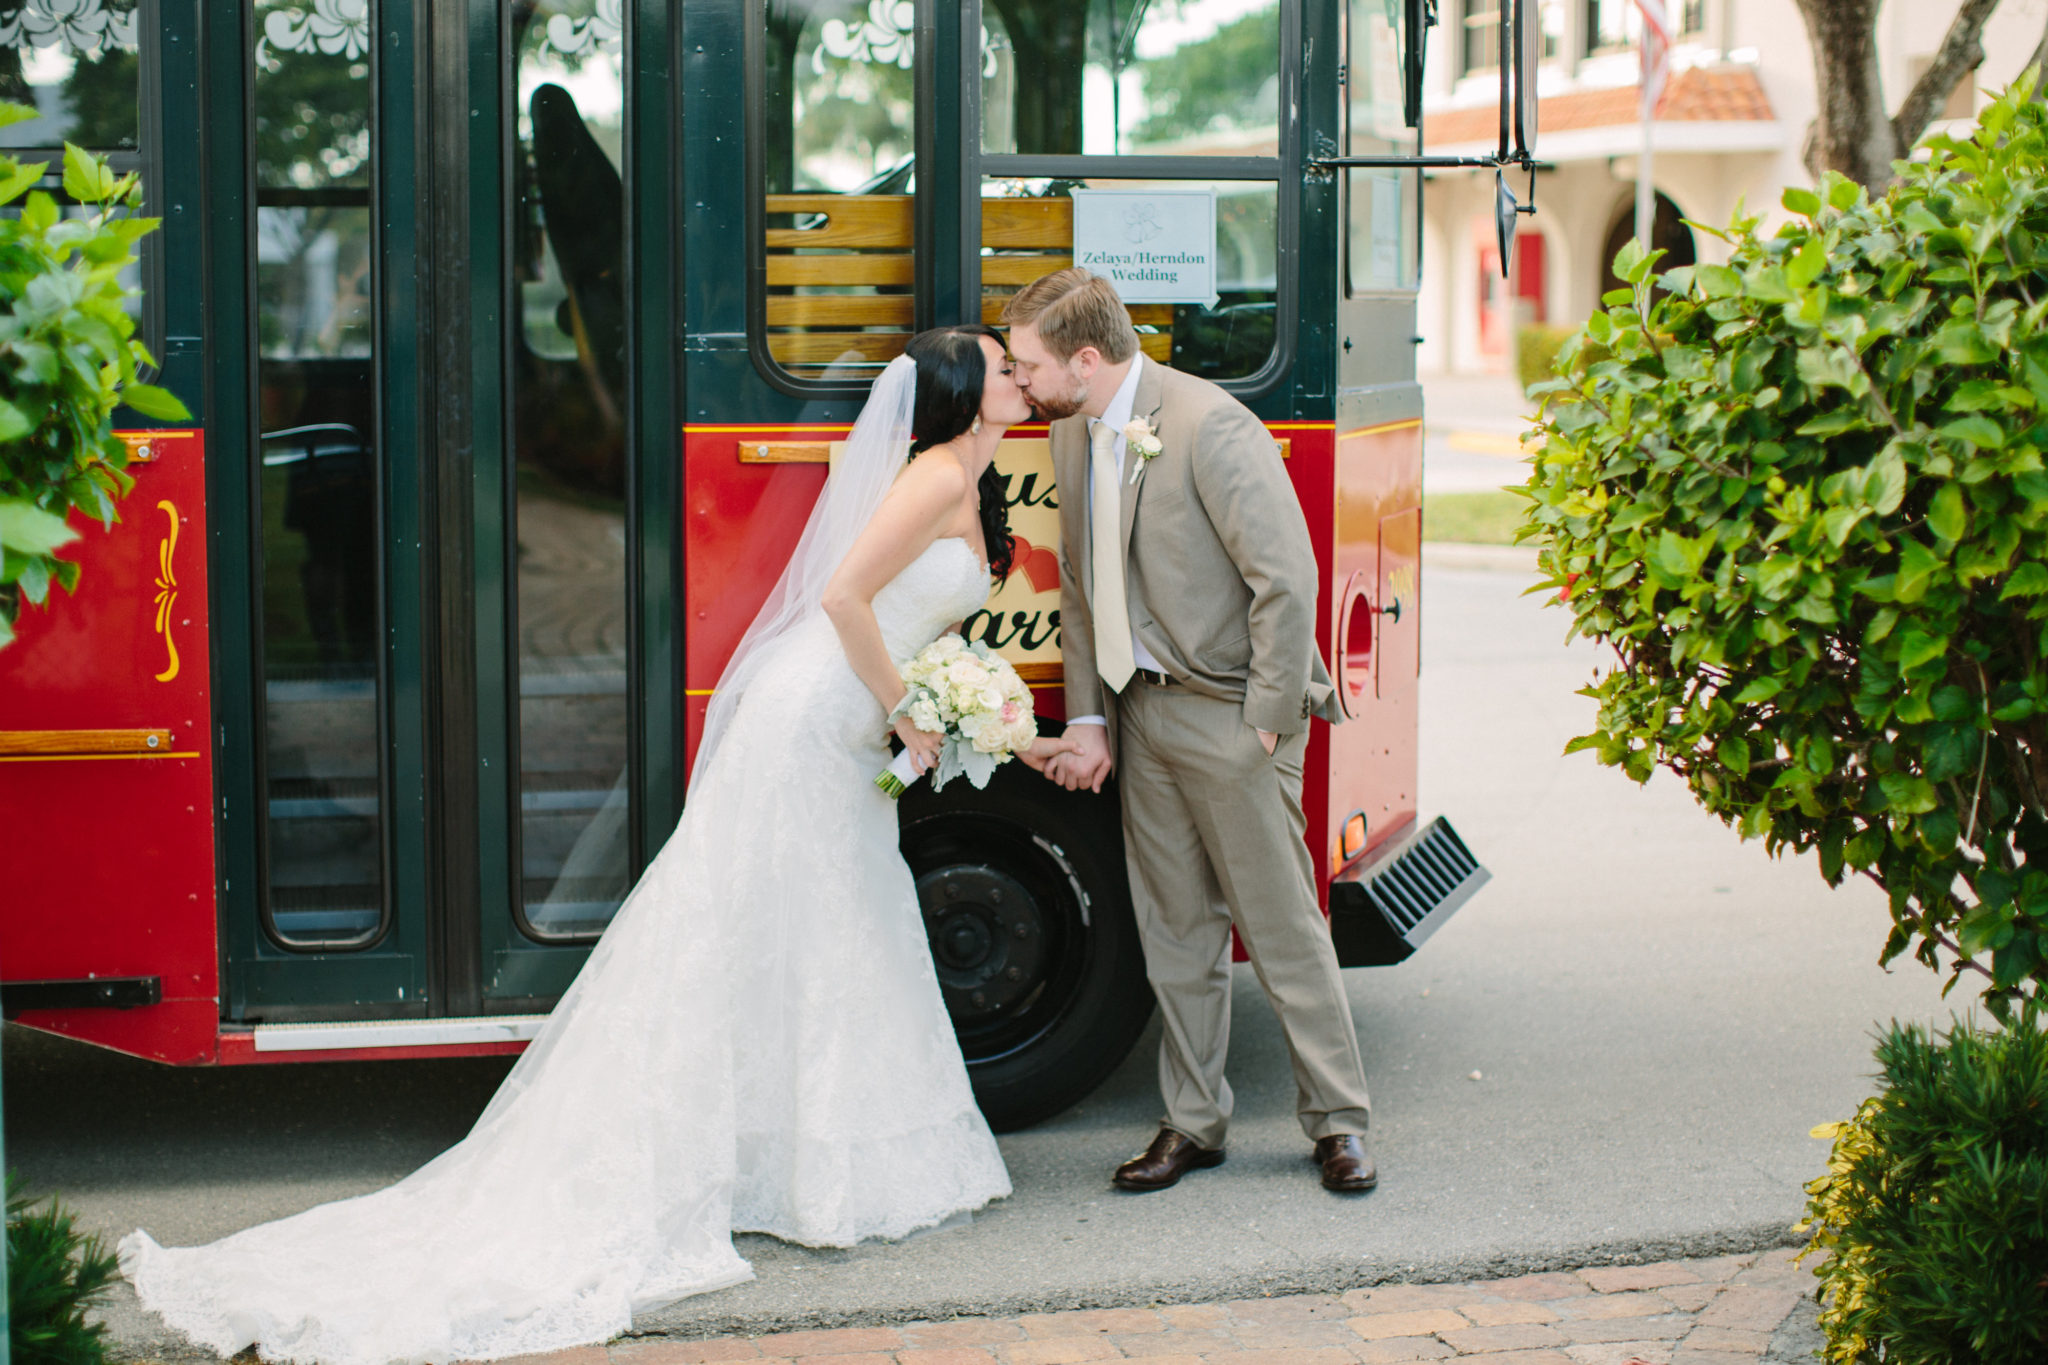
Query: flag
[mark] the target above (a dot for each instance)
(1656, 53)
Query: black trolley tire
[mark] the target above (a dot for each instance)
(1068, 1037)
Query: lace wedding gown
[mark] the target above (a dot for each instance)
(757, 1044)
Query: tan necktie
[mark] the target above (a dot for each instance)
(1113, 661)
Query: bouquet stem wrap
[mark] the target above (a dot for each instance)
(975, 699)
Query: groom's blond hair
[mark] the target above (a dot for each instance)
(1071, 309)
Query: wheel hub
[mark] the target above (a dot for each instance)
(988, 939)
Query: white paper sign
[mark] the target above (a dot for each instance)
(1155, 246)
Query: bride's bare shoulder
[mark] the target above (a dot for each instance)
(933, 474)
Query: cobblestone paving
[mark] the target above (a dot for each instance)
(1721, 1311)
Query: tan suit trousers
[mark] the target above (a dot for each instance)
(1213, 827)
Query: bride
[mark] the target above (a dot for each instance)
(758, 1043)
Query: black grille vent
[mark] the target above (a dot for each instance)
(1381, 917)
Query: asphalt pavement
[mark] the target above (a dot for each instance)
(1614, 1052)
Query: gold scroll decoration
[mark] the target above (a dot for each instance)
(167, 591)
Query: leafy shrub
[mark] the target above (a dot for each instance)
(68, 358)
(1934, 1212)
(1536, 349)
(1802, 496)
(54, 1275)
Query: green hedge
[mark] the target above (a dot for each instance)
(68, 359)
(55, 1275)
(1802, 497)
(1933, 1216)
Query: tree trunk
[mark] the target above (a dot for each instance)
(1051, 41)
(1854, 134)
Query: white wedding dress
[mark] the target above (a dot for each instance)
(757, 1044)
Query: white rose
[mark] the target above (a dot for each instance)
(967, 672)
(924, 714)
(945, 647)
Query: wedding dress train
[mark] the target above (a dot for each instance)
(756, 1044)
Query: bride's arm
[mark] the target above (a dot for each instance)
(918, 508)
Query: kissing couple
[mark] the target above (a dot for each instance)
(716, 1067)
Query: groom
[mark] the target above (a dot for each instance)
(1187, 615)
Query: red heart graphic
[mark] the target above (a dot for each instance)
(1040, 565)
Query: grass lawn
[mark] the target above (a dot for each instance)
(1473, 518)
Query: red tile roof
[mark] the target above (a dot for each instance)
(1697, 95)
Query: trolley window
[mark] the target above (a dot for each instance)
(320, 482)
(1382, 205)
(570, 397)
(1147, 97)
(1125, 77)
(834, 132)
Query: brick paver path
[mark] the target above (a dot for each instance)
(1707, 1312)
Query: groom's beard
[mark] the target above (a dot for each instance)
(1051, 408)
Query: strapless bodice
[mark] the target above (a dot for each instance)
(939, 587)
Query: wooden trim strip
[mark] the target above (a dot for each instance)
(821, 452)
(84, 743)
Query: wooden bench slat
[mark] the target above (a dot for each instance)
(841, 310)
(875, 269)
(1020, 270)
(822, 348)
(1028, 223)
(1143, 314)
(850, 220)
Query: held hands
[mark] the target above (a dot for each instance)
(922, 745)
(1044, 750)
(1088, 764)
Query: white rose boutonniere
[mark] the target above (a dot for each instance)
(1141, 441)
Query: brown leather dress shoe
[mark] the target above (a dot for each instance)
(1171, 1156)
(1347, 1166)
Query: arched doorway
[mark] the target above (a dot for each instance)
(1668, 233)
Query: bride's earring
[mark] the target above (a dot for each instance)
(976, 428)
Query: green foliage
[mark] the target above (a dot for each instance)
(54, 1275)
(68, 358)
(1933, 1215)
(1536, 350)
(1802, 496)
(1186, 89)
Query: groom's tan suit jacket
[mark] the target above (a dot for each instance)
(1221, 584)
(1219, 572)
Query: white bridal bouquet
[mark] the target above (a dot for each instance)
(975, 699)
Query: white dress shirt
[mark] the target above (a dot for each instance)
(1116, 417)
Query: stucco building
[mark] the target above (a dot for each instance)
(1728, 130)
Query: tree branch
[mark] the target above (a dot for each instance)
(1961, 52)
(2040, 58)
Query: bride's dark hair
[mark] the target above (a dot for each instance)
(951, 371)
